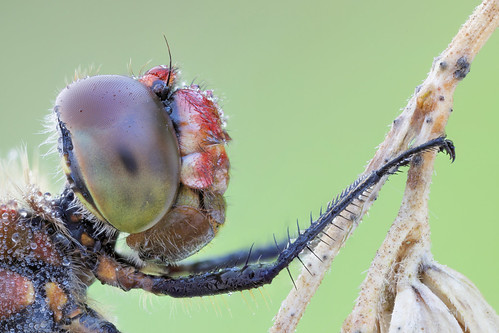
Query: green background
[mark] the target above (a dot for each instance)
(310, 89)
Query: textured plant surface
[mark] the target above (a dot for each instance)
(405, 289)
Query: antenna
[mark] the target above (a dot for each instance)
(170, 64)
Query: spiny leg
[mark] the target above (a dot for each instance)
(236, 258)
(111, 271)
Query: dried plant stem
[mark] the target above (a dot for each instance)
(424, 118)
(399, 255)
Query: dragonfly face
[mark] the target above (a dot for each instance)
(144, 157)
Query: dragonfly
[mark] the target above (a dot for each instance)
(145, 161)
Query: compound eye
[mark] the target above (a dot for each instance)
(119, 150)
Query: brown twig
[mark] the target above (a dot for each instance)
(424, 118)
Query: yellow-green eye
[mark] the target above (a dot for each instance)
(119, 149)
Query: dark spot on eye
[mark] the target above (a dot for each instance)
(429, 120)
(128, 160)
(443, 65)
(441, 98)
(463, 68)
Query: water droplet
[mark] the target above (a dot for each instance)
(33, 245)
(15, 237)
(23, 213)
(66, 261)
